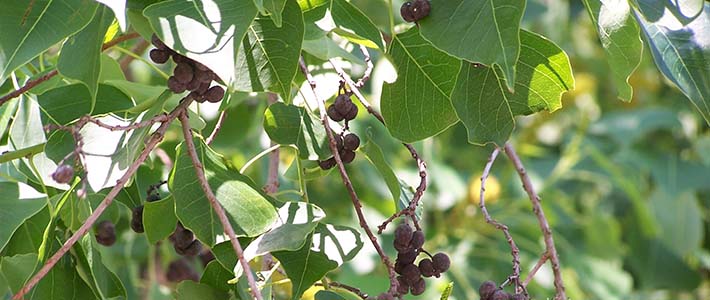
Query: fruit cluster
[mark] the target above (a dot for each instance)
(188, 74)
(347, 144)
(342, 109)
(415, 10)
(408, 244)
(184, 241)
(490, 291)
(137, 217)
(105, 233)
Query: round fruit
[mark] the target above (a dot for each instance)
(487, 289)
(407, 257)
(417, 239)
(206, 257)
(191, 249)
(352, 114)
(402, 285)
(406, 12)
(214, 94)
(180, 270)
(159, 56)
(347, 156)
(333, 114)
(441, 262)
(202, 75)
(105, 233)
(426, 267)
(176, 86)
(403, 234)
(183, 73)
(343, 104)
(420, 9)
(327, 164)
(519, 297)
(63, 174)
(351, 142)
(418, 287)
(501, 295)
(411, 273)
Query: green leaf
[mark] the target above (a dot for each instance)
(28, 237)
(447, 291)
(104, 283)
(292, 125)
(479, 31)
(682, 54)
(488, 110)
(17, 269)
(29, 28)
(325, 48)
(63, 275)
(680, 221)
(67, 103)
(351, 19)
(81, 53)
(417, 105)
(221, 26)
(249, 211)
(273, 8)
(16, 207)
(268, 57)
(309, 264)
(307, 5)
(293, 226)
(374, 154)
(189, 290)
(619, 35)
(215, 275)
(159, 219)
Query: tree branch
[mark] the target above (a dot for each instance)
(156, 137)
(544, 225)
(32, 83)
(531, 274)
(346, 181)
(200, 173)
(421, 165)
(515, 252)
(217, 128)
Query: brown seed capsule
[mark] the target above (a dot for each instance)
(203, 88)
(333, 114)
(202, 75)
(63, 174)
(347, 156)
(214, 94)
(418, 287)
(402, 285)
(420, 9)
(137, 219)
(105, 233)
(426, 267)
(411, 273)
(352, 114)
(343, 104)
(487, 289)
(159, 56)
(417, 239)
(407, 257)
(351, 142)
(157, 42)
(176, 86)
(327, 164)
(403, 234)
(406, 12)
(183, 73)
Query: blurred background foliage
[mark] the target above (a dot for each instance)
(625, 186)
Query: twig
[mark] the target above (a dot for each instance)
(217, 128)
(156, 119)
(32, 83)
(421, 165)
(531, 274)
(156, 137)
(351, 289)
(346, 180)
(200, 173)
(515, 252)
(368, 70)
(544, 225)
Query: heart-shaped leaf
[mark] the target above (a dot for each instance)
(293, 125)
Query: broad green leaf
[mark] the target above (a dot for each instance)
(331, 295)
(331, 246)
(619, 35)
(80, 58)
(290, 231)
(667, 270)
(67, 103)
(103, 282)
(110, 69)
(680, 221)
(292, 125)
(325, 48)
(18, 202)
(17, 269)
(479, 31)
(159, 219)
(268, 56)
(486, 107)
(248, 210)
(119, 10)
(216, 276)
(273, 8)
(28, 237)
(397, 188)
(417, 105)
(210, 32)
(75, 211)
(63, 275)
(31, 27)
(351, 19)
(682, 54)
(7, 110)
(189, 290)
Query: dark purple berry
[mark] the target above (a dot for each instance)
(214, 94)
(202, 75)
(351, 142)
(420, 9)
(327, 164)
(137, 219)
(441, 262)
(333, 114)
(183, 73)
(347, 156)
(402, 285)
(403, 234)
(206, 257)
(105, 233)
(399, 266)
(407, 257)
(159, 56)
(190, 249)
(417, 239)
(426, 267)
(501, 295)
(175, 85)
(519, 297)
(352, 114)
(63, 174)
(418, 287)
(411, 273)
(487, 289)
(342, 104)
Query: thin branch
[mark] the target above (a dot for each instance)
(368, 70)
(544, 225)
(32, 83)
(156, 119)
(515, 252)
(346, 181)
(421, 165)
(200, 173)
(217, 128)
(155, 138)
(531, 274)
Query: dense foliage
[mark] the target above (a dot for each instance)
(362, 149)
